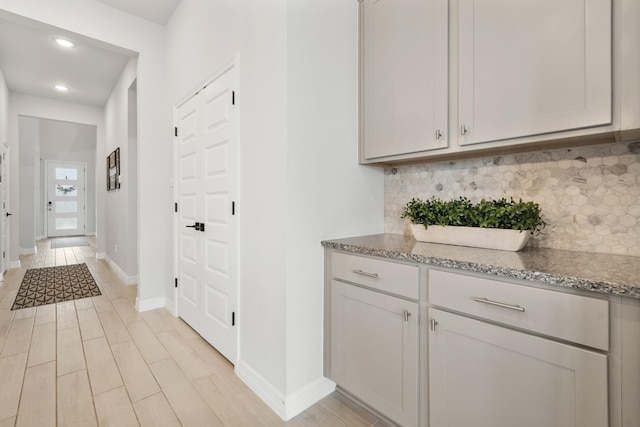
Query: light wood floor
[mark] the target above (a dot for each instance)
(96, 361)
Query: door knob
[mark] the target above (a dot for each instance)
(198, 226)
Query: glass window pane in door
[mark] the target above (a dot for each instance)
(66, 190)
(68, 174)
(66, 207)
(66, 223)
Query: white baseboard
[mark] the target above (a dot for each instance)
(14, 264)
(308, 396)
(127, 280)
(263, 388)
(90, 234)
(286, 407)
(100, 255)
(150, 304)
(28, 251)
(41, 237)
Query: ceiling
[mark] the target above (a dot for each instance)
(158, 11)
(32, 62)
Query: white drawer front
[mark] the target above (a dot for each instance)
(400, 279)
(574, 318)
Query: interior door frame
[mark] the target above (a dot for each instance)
(45, 194)
(5, 227)
(232, 63)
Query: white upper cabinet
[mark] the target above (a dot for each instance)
(404, 76)
(451, 78)
(533, 67)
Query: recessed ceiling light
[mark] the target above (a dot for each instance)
(64, 42)
(61, 88)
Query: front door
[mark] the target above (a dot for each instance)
(65, 203)
(207, 182)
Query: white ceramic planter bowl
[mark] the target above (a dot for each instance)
(488, 238)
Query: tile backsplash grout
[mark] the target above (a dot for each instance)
(589, 196)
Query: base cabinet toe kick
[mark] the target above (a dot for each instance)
(423, 345)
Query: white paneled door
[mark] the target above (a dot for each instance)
(65, 203)
(206, 186)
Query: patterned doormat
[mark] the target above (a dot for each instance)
(68, 242)
(49, 285)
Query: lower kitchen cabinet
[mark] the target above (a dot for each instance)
(424, 345)
(484, 375)
(374, 350)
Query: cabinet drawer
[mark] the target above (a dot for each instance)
(400, 279)
(574, 318)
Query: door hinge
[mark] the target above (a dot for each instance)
(3, 254)
(176, 206)
(233, 318)
(176, 282)
(233, 208)
(175, 129)
(233, 97)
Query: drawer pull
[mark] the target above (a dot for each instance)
(499, 304)
(364, 273)
(405, 315)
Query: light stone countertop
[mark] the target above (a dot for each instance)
(604, 273)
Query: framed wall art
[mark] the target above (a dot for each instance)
(113, 170)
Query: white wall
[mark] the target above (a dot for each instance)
(328, 194)
(4, 107)
(102, 22)
(29, 145)
(130, 178)
(117, 218)
(300, 182)
(33, 106)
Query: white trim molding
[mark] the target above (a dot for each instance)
(14, 264)
(127, 280)
(150, 304)
(100, 255)
(286, 407)
(299, 401)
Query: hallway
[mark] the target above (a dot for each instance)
(96, 361)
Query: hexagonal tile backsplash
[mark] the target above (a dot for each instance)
(589, 196)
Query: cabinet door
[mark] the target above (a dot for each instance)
(374, 350)
(404, 76)
(533, 67)
(484, 375)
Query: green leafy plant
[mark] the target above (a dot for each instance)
(501, 213)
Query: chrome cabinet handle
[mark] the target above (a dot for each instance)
(438, 134)
(405, 315)
(364, 273)
(463, 130)
(499, 304)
